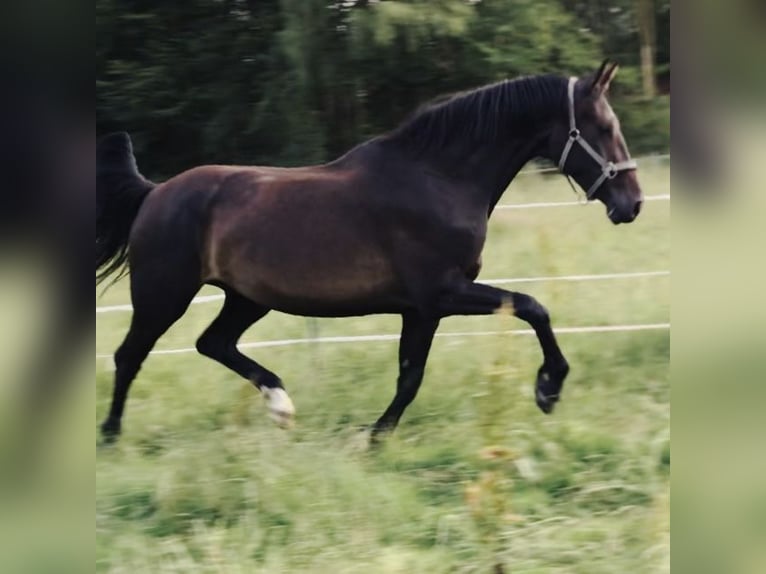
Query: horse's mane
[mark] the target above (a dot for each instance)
(485, 114)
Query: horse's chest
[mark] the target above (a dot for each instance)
(472, 270)
(466, 242)
(444, 246)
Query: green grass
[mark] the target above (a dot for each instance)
(201, 481)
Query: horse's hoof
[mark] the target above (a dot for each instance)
(281, 409)
(548, 386)
(360, 440)
(379, 434)
(110, 433)
(546, 403)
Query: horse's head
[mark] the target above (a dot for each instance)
(588, 146)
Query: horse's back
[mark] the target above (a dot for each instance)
(194, 193)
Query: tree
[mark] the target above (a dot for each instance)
(646, 16)
(293, 82)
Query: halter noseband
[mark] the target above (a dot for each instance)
(609, 170)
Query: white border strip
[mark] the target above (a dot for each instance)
(505, 281)
(662, 197)
(395, 337)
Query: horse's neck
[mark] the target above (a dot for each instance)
(492, 167)
(509, 163)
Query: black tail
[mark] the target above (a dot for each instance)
(120, 191)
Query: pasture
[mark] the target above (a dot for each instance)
(475, 475)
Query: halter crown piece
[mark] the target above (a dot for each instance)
(609, 170)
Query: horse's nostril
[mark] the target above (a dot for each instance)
(637, 208)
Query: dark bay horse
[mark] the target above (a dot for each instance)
(396, 225)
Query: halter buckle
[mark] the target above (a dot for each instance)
(574, 133)
(611, 170)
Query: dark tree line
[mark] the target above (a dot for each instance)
(292, 82)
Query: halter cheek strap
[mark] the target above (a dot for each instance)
(609, 170)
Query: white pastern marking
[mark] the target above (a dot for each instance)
(281, 409)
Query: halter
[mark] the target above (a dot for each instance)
(609, 170)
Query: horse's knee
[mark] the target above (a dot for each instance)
(409, 383)
(530, 309)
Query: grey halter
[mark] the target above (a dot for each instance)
(609, 170)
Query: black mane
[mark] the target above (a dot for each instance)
(486, 114)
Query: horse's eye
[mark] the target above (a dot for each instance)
(605, 130)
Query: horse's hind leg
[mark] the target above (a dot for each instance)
(219, 342)
(159, 300)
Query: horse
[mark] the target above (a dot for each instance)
(394, 226)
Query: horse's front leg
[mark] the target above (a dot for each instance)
(414, 345)
(478, 299)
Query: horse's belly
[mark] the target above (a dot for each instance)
(316, 285)
(328, 299)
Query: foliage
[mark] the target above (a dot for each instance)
(645, 123)
(293, 82)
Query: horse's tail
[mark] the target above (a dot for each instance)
(120, 191)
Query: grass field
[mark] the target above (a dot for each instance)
(475, 476)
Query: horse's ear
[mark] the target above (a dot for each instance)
(603, 77)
